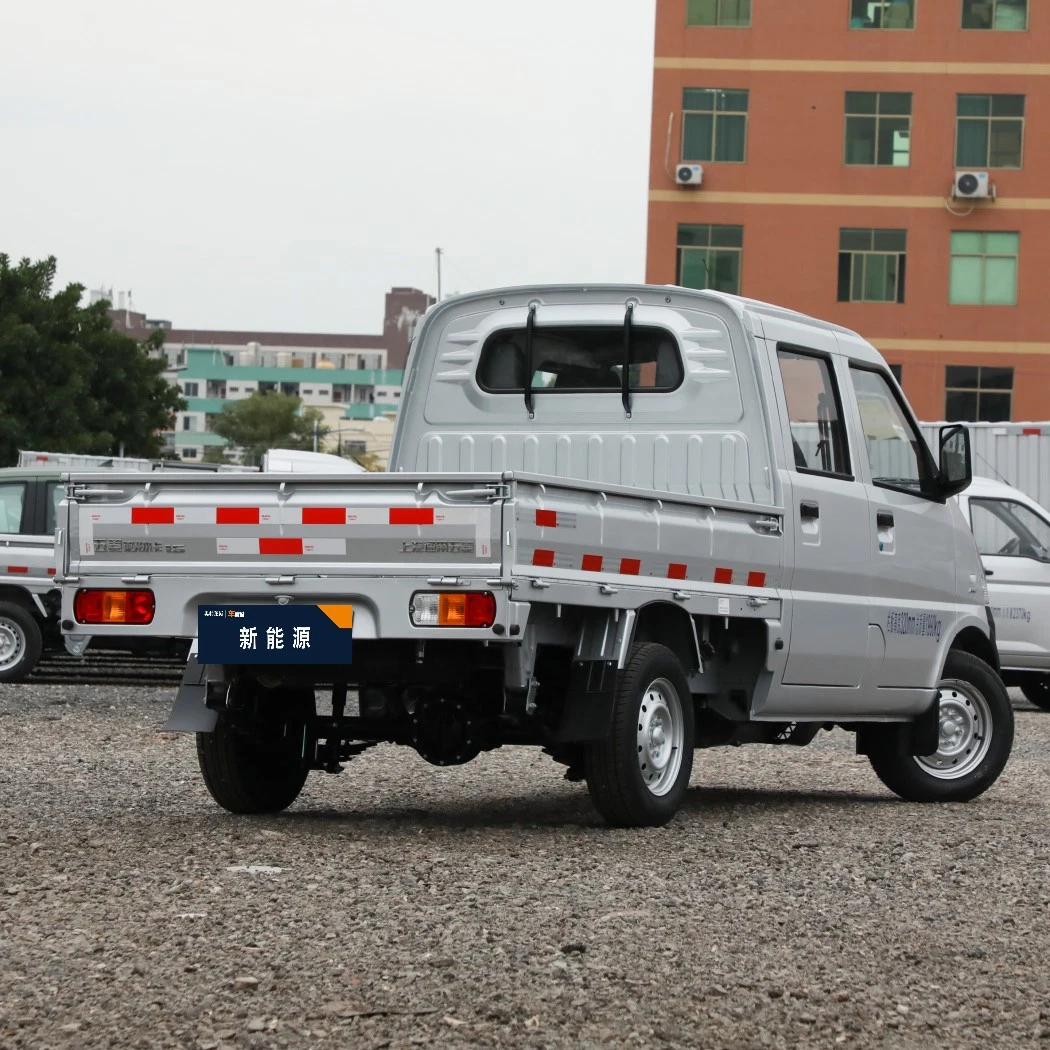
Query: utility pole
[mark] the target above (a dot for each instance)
(438, 252)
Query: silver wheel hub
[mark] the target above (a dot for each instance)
(964, 733)
(12, 644)
(659, 739)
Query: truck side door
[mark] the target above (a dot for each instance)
(914, 589)
(827, 513)
(1014, 541)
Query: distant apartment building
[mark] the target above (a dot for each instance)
(354, 380)
(879, 163)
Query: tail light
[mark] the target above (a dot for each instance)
(130, 607)
(453, 609)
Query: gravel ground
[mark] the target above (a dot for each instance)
(793, 903)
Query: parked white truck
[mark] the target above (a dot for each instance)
(1013, 536)
(620, 523)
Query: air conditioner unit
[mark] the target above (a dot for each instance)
(689, 174)
(972, 184)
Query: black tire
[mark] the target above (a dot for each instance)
(1036, 689)
(616, 778)
(251, 761)
(21, 642)
(965, 766)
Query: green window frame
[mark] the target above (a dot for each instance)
(1002, 15)
(878, 129)
(871, 265)
(735, 13)
(882, 14)
(714, 125)
(978, 393)
(710, 257)
(989, 131)
(983, 268)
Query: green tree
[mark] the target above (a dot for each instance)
(263, 421)
(68, 382)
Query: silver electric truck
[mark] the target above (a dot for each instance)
(620, 523)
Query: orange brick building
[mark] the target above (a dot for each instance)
(831, 134)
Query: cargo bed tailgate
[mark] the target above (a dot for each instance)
(267, 524)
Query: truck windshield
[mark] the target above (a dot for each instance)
(580, 359)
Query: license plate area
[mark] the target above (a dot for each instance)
(275, 634)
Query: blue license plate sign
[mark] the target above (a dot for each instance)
(275, 634)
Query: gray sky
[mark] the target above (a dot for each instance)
(280, 165)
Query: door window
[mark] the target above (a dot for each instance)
(818, 438)
(12, 499)
(897, 455)
(1008, 529)
(56, 492)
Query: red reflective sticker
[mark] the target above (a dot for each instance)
(723, 575)
(18, 568)
(756, 579)
(280, 545)
(411, 515)
(324, 515)
(152, 515)
(547, 519)
(592, 563)
(630, 566)
(541, 557)
(236, 515)
(676, 571)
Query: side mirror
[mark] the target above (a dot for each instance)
(956, 469)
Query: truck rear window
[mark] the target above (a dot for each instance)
(583, 359)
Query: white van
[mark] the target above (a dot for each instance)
(1013, 536)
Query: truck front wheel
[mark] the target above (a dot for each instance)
(251, 761)
(20, 642)
(976, 733)
(639, 774)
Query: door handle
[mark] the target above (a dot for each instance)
(988, 572)
(884, 519)
(809, 511)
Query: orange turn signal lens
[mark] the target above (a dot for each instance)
(102, 607)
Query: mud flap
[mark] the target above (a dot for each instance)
(918, 737)
(588, 702)
(191, 713)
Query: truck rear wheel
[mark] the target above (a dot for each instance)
(976, 734)
(1036, 689)
(20, 642)
(251, 762)
(639, 774)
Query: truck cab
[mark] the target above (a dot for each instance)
(29, 602)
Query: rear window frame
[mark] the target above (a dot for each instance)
(511, 334)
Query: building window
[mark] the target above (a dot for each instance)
(871, 265)
(897, 371)
(189, 453)
(190, 389)
(975, 394)
(235, 389)
(984, 269)
(995, 14)
(710, 257)
(187, 422)
(882, 14)
(878, 128)
(718, 13)
(714, 125)
(989, 131)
